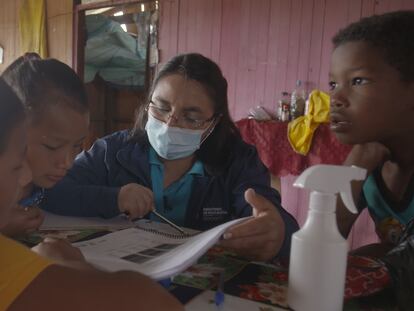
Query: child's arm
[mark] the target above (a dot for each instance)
(87, 287)
(63, 288)
(368, 156)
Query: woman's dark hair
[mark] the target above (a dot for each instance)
(216, 150)
(40, 83)
(391, 33)
(11, 114)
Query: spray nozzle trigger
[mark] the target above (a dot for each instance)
(332, 179)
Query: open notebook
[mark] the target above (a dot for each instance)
(152, 248)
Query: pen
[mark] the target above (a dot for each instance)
(219, 296)
(168, 222)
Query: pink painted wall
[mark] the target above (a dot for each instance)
(263, 46)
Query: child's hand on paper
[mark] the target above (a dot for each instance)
(259, 238)
(58, 250)
(135, 200)
(23, 220)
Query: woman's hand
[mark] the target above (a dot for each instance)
(23, 220)
(135, 200)
(259, 238)
(368, 156)
(58, 250)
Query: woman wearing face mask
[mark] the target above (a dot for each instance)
(186, 159)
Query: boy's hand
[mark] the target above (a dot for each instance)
(23, 220)
(135, 200)
(58, 250)
(259, 238)
(368, 156)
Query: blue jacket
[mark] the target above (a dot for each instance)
(91, 186)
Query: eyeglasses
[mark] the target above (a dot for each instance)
(184, 121)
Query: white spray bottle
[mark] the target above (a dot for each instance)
(318, 254)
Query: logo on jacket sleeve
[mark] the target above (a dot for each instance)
(214, 214)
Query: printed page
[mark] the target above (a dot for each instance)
(157, 255)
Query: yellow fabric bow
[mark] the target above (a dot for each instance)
(300, 130)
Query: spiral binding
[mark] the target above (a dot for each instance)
(167, 234)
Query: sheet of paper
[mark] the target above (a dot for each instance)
(155, 255)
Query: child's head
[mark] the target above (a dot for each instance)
(12, 149)
(57, 111)
(193, 88)
(372, 79)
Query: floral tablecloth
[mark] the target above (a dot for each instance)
(367, 281)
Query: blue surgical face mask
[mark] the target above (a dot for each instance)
(172, 142)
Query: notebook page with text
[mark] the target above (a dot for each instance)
(156, 253)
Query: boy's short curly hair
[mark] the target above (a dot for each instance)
(392, 33)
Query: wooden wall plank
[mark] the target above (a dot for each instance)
(229, 44)
(305, 43)
(262, 20)
(408, 5)
(60, 38)
(316, 49)
(242, 69)
(9, 13)
(283, 48)
(10, 44)
(368, 7)
(168, 32)
(216, 29)
(396, 5)
(9, 31)
(293, 44)
(382, 6)
(334, 20)
(203, 34)
(183, 25)
(193, 26)
(354, 10)
(56, 8)
(271, 92)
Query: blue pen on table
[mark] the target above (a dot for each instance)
(219, 296)
(166, 283)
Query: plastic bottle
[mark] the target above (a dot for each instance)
(319, 252)
(297, 101)
(283, 104)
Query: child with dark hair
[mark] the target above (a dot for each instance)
(32, 282)
(372, 107)
(186, 159)
(58, 121)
